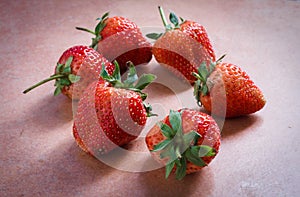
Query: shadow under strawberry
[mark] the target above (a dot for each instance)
(64, 171)
(167, 78)
(50, 113)
(234, 126)
(155, 184)
(45, 114)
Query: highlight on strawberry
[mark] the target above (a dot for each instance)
(113, 113)
(185, 141)
(183, 47)
(78, 65)
(118, 38)
(224, 89)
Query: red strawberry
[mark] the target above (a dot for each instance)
(225, 90)
(118, 38)
(186, 140)
(182, 47)
(77, 67)
(111, 115)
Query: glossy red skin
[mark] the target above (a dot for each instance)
(114, 25)
(87, 63)
(198, 32)
(232, 93)
(107, 118)
(192, 120)
(123, 41)
(183, 50)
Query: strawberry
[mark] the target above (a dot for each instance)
(224, 89)
(77, 67)
(182, 47)
(118, 38)
(185, 141)
(111, 114)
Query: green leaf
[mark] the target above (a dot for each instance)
(115, 83)
(104, 73)
(154, 36)
(169, 152)
(99, 27)
(174, 19)
(195, 150)
(197, 76)
(196, 139)
(105, 16)
(189, 138)
(116, 74)
(177, 162)
(57, 91)
(59, 68)
(64, 82)
(197, 88)
(143, 95)
(175, 120)
(131, 76)
(144, 81)
(168, 27)
(204, 89)
(166, 130)
(161, 145)
(202, 71)
(181, 170)
(94, 44)
(56, 82)
(68, 64)
(182, 19)
(178, 152)
(73, 78)
(206, 151)
(194, 158)
(66, 70)
(212, 66)
(169, 168)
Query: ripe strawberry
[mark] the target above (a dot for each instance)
(111, 114)
(182, 47)
(77, 67)
(225, 90)
(186, 140)
(118, 38)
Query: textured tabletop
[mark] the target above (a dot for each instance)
(259, 153)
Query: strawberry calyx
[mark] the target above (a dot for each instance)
(201, 87)
(132, 82)
(63, 77)
(98, 29)
(180, 148)
(175, 24)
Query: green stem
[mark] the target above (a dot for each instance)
(162, 15)
(53, 77)
(220, 59)
(86, 30)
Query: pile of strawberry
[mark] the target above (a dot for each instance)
(112, 111)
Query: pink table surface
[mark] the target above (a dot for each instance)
(259, 153)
